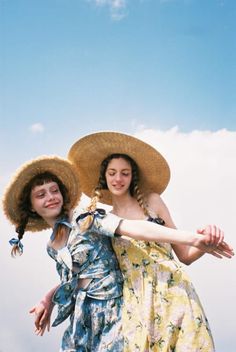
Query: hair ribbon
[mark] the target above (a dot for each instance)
(17, 243)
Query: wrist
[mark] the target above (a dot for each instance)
(193, 240)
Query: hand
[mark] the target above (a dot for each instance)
(42, 313)
(213, 242)
(222, 250)
(213, 234)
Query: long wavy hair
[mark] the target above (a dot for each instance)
(102, 185)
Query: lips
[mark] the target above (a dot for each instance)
(53, 205)
(117, 187)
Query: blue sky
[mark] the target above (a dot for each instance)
(77, 66)
(163, 70)
(155, 63)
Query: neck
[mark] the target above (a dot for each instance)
(127, 207)
(122, 201)
(51, 222)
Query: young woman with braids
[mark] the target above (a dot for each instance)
(42, 195)
(161, 311)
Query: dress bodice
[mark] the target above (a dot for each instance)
(87, 255)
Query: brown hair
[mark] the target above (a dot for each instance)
(24, 204)
(102, 184)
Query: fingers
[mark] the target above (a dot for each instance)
(32, 310)
(38, 321)
(220, 251)
(40, 329)
(221, 236)
(42, 316)
(215, 254)
(200, 231)
(226, 248)
(213, 234)
(210, 231)
(41, 319)
(214, 239)
(48, 326)
(217, 235)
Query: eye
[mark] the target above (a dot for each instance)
(40, 195)
(56, 190)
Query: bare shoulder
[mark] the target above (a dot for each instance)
(155, 202)
(157, 206)
(154, 199)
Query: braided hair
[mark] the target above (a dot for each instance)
(102, 184)
(25, 206)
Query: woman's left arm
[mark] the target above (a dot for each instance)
(186, 254)
(42, 312)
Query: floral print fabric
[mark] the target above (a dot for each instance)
(95, 312)
(162, 312)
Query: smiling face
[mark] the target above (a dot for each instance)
(47, 201)
(118, 176)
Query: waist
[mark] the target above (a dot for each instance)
(84, 283)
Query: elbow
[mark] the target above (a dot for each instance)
(186, 260)
(188, 256)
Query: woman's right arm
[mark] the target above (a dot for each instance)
(110, 224)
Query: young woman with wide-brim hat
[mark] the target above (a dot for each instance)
(162, 311)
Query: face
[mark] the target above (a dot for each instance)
(47, 201)
(118, 176)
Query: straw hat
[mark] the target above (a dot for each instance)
(88, 153)
(59, 167)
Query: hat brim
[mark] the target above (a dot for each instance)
(59, 167)
(88, 153)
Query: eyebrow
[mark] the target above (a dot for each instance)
(38, 191)
(112, 169)
(43, 189)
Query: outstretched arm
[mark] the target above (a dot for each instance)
(148, 231)
(111, 224)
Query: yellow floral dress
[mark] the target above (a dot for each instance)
(161, 312)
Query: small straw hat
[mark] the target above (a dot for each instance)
(62, 168)
(88, 153)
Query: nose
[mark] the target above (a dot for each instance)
(118, 176)
(50, 195)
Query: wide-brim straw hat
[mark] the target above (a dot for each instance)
(88, 153)
(62, 168)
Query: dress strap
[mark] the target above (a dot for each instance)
(157, 220)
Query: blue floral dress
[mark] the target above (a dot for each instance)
(94, 311)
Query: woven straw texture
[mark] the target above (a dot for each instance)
(62, 168)
(88, 153)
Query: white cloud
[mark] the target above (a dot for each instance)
(203, 168)
(115, 4)
(202, 190)
(117, 8)
(37, 127)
